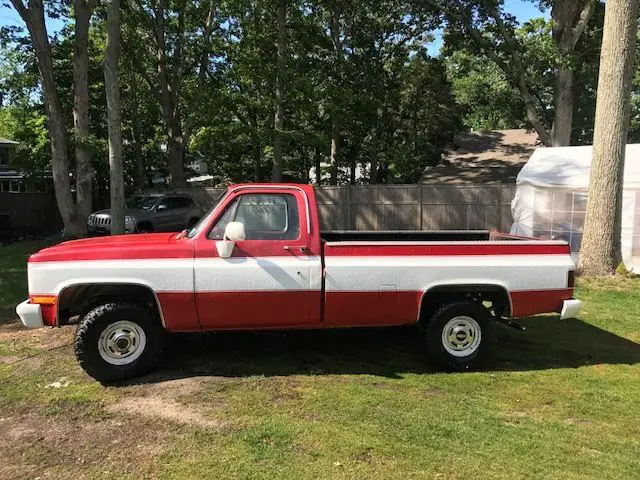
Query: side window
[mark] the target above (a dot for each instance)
(183, 202)
(166, 204)
(265, 217)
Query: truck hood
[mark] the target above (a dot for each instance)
(119, 247)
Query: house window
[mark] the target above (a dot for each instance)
(12, 185)
(4, 156)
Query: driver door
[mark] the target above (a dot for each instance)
(272, 279)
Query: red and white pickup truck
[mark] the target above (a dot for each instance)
(259, 260)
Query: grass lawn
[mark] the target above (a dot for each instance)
(560, 401)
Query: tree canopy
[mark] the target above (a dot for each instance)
(336, 91)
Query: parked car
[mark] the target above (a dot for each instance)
(259, 260)
(150, 213)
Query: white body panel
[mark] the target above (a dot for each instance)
(343, 273)
(419, 273)
(182, 274)
(241, 274)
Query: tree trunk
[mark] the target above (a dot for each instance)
(564, 100)
(170, 105)
(600, 253)
(175, 153)
(335, 142)
(112, 90)
(257, 162)
(353, 165)
(317, 158)
(278, 124)
(304, 165)
(136, 140)
(334, 29)
(569, 20)
(373, 175)
(202, 74)
(83, 10)
(34, 18)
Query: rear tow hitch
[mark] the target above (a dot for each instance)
(511, 324)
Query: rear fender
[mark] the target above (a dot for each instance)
(449, 289)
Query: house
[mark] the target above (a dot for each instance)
(484, 157)
(10, 180)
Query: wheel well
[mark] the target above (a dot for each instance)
(435, 297)
(80, 299)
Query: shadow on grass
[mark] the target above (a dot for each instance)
(548, 343)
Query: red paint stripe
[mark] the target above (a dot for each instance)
(300, 309)
(532, 302)
(280, 308)
(371, 308)
(179, 311)
(444, 250)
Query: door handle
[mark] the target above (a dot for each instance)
(289, 248)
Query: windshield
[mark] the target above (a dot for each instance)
(141, 203)
(196, 227)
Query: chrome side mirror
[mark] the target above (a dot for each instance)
(234, 232)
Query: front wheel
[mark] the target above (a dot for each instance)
(118, 341)
(459, 335)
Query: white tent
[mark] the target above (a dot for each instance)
(551, 198)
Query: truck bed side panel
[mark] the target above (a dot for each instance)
(383, 284)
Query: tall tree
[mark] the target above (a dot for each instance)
(570, 19)
(111, 77)
(82, 10)
(278, 123)
(600, 251)
(335, 29)
(177, 35)
(73, 212)
(493, 31)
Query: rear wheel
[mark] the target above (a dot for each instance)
(459, 335)
(117, 341)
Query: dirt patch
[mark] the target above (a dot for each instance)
(168, 389)
(14, 331)
(162, 409)
(58, 447)
(159, 401)
(433, 391)
(9, 359)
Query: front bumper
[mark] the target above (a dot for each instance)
(30, 314)
(570, 309)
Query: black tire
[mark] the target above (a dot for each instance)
(452, 354)
(192, 222)
(92, 352)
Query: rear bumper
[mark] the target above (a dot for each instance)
(570, 309)
(30, 314)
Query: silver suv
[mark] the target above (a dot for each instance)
(150, 213)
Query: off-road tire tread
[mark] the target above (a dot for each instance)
(96, 320)
(432, 329)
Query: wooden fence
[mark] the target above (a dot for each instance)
(405, 207)
(35, 212)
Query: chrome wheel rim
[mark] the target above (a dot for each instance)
(461, 336)
(122, 342)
